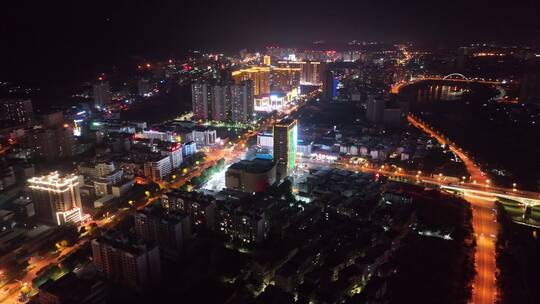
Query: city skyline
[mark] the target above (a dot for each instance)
(55, 37)
(270, 152)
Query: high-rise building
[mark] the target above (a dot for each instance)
(330, 85)
(260, 77)
(223, 102)
(284, 79)
(311, 71)
(169, 229)
(56, 198)
(242, 102)
(136, 266)
(52, 144)
(285, 139)
(17, 111)
(375, 109)
(201, 97)
(102, 93)
(268, 79)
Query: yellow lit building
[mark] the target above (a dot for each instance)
(259, 75)
(311, 71)
(267, 60)
(267, 78)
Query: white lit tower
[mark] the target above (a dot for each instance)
(56, 198)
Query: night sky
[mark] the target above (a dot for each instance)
(42, 40)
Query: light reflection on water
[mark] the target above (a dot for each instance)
(440, 92)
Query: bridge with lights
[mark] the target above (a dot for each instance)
(452, 77)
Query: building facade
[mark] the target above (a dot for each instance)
(285, 140)
(170, 230)
(251, 175)
(136, 266)
(57, 199)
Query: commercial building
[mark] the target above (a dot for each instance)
(17, 111)
(159, 135)
(275, 101)
(56, 198)
(285, 140)
(170, 230)
(204, 137)
(174, 152)
(251, 175)
(189, 148)
(134, 265)
(158, 167)
(265, 140)
(102, 93)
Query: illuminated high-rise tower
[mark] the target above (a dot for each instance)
(56, 198)
(285, 139)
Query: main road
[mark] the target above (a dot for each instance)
(479, 192)
(484, 222)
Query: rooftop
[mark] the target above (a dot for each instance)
(258, 165)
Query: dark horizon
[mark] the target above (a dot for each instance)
(52, 40)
